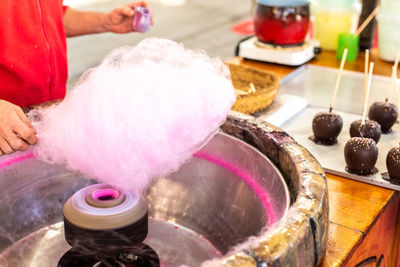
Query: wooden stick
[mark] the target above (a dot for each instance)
(366, 73)
(364, 116)
(396, 62)
(368, 20)
(396, 88)
(338, 80)
(391, 85)
(393, 79)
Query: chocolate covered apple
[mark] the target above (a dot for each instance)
(393, 164)
(361, 155)
(370, 129)
(385, 114)
(326, 127)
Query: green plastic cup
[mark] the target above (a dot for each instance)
(349, 41)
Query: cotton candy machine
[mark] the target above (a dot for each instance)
(228, 192)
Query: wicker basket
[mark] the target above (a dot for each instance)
(266, 86)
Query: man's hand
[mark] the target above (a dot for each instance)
(16, 131)
(119, 20)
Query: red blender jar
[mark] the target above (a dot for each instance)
(282, 22)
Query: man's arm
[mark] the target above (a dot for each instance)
(118, 20)
(16, 131)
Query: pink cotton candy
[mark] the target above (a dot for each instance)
(139, 115)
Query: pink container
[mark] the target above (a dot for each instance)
(142, 19)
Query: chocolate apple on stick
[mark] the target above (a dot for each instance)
(327, 126)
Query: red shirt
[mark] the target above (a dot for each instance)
(33, 51)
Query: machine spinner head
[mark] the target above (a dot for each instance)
(107, 226)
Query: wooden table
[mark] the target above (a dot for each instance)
(364, 229)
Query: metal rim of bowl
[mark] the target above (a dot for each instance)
(300, 238)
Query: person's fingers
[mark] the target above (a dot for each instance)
(125, 11)
(115, 17)
(26, 133)
(22, 126)
(23, 117)
(117, 11)
(15, 142)
(118, 15)
(129, 12)
(5, 147)
(28, 123)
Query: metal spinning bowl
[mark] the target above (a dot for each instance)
(226, 193)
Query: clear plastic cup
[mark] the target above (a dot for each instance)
(388, 34)
(332, 18)
(390, 7)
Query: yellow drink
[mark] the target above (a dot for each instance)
(329, 24)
